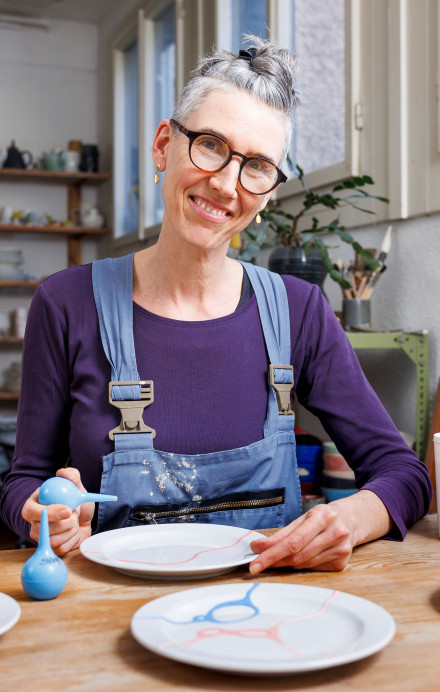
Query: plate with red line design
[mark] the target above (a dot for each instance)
(263, 628)
(172, 551)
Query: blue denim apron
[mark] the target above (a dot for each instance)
(251, 487)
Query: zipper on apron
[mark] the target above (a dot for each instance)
(140, 515)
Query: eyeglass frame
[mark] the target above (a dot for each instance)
(192, 136)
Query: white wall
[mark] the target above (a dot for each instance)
(49, 82)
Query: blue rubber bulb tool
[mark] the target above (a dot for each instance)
(61, 491)
(44, 575)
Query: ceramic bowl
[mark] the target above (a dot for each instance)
(309, 459)
(309, 501)
(340, 474)
(330, 447)
(332, 482)
(332, 494)
(334, 462)
(308, 488)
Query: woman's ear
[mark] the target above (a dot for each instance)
(264, 201)
(161, 142)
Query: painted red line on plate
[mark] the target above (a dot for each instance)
(257, 632)
(182, 562)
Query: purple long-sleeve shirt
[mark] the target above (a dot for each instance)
(210, 389)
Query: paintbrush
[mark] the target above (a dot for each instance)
(386, 246)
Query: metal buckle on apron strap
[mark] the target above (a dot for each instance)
(282, 389)
(132, 410)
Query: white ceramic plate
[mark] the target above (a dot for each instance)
(263, 629)
(172, 551)
(10, 612)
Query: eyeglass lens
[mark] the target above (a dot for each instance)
(209, 153)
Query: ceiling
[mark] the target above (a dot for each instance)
(91, 11)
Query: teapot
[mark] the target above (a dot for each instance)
(54, 160)
(91, 217)
(17, 159)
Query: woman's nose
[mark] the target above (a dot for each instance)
(226, 180)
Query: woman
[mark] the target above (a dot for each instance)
(202, 332)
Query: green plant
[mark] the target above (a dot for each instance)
(284, 226)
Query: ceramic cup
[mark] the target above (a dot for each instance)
(5, 323)
(437, 475)
(356, 313)
(5, 214)
(72, 159)
(19, 317)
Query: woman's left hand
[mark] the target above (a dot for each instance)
(323, 538)
(319, 539)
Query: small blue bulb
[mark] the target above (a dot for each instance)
(61, 491)
(44, 575)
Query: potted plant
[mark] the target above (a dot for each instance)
(303, 252)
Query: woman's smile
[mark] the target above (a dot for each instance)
(207, 209)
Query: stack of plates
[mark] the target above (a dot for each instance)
(10, 258)
(8, 425)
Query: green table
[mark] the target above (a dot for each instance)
(416, 346)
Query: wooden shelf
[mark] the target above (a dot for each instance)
(10, 340)
(74, 182)
(52, 176)
(8, 396)
(56, 229)
(6, 283)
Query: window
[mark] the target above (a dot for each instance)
(237, 17)
(318, 39)
(126, 167)
(316, 32)
(164, 83)
(144, 94)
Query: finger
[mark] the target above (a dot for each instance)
(334, 540)
(332, 560)
(86, 512)
(86, 509)
(31, 511)
(295, 540)
(56, 527)
(72, 474)
(63, 544)
(260, 544)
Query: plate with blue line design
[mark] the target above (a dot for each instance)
(263, 628)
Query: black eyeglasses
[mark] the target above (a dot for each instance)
(210, 153)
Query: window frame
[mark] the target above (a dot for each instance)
(127, 33)
(141, 26)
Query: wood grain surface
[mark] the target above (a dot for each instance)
(81, 640)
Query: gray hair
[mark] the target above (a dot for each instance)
(266, 72)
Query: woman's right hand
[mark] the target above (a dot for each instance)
(67, 528)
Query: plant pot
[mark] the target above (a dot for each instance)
(297, 262)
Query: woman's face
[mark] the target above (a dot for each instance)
(207, 209)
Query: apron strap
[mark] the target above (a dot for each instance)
(273, 308)
(113, 293)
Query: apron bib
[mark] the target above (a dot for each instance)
(252, 487)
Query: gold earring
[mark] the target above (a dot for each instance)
(156, 177)
(258, 217)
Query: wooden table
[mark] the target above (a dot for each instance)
(81, 640)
